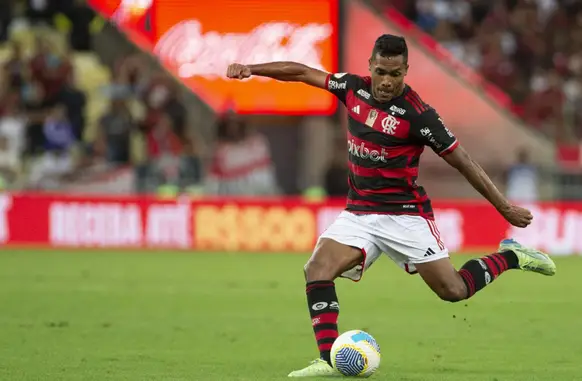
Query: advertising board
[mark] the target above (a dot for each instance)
(252, 225)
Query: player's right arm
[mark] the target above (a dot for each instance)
(338, 84)
(282, 71)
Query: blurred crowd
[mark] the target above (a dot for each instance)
(42, 110)
(42, 113)
(47, 140)
(146, 109)
(145, 126)
(531, 49)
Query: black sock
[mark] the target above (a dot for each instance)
(324, 309)
(478, 273)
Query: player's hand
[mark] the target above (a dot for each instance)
(517, 216)
(238, 71)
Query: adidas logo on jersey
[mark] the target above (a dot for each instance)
(356, 109)
(365, 94)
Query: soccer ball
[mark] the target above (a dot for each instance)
(355, 353)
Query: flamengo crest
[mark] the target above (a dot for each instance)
(389, 125)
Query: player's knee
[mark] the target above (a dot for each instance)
(318, 268)
(330, 259)
(452, 292)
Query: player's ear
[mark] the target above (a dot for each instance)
(370, 64)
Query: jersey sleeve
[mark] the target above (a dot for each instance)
(339, 83)
(431, 131)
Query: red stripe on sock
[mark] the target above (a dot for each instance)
(326, 318)
(463, 274)
(326, 334)
(325, 347)
(469, 280)
(500, 263)
(492, 267)
(503, 260)
(471, 283)
(310, 287)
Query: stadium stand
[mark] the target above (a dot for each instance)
(531, 49)
(72, 121)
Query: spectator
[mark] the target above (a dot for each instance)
(165, 150)
(191, 174)
(58, 130)
(544, 105)
(57, 162)
(242, 163)
(115, 132)
(161, 97)
(12, 138)
(50, 68)
(523, 179)
(74, 101)
(121, 83)
(37, 108)
(15, 66)
(134, 73)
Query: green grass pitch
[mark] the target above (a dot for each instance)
(92, 315)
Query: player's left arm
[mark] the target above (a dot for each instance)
(477, 177)
(435, 134)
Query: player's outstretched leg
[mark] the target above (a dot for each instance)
(329, 260)
(475, 274)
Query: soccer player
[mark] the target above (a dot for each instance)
(387, 211)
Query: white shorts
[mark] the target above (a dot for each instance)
(406, 239)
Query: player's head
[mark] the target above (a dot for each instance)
(388, 66)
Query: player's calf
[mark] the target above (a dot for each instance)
(474, 275)
(452, 291)
(478, 273)
(329, 260)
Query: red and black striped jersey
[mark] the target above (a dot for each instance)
(385, 141)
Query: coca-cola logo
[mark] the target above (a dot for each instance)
(193, 53)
